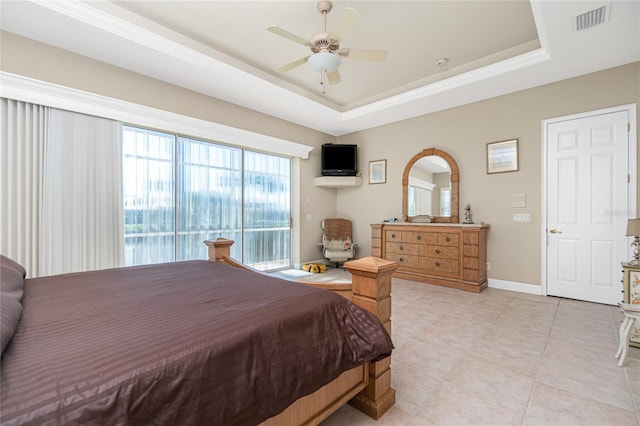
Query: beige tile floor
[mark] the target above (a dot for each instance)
(504, 358)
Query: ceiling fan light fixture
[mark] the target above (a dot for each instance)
(324, 61)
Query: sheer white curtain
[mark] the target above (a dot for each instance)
(22, 130)
(82, 215)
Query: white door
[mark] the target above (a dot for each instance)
(588, 203)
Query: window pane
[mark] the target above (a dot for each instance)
(267, 207)
(445, 202)
(149, 210)
(209, 197)
(411, 196)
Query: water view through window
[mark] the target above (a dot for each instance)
(179, 192)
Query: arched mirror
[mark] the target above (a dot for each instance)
(430, 186)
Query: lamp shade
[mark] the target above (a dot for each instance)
(326, 61)
(633, 228)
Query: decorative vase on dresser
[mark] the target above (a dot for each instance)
(446, 254)
(631, 290)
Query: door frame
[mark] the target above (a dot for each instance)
(632, 169)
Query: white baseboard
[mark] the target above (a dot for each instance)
(515, 286)
(493, 283)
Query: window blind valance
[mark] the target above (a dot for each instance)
(43, 93)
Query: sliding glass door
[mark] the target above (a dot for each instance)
(267, 211)
(149, 196)
(209, 197)
(179, 192)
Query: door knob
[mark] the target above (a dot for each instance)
(555, 231)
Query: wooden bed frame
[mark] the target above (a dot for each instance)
(367, 387)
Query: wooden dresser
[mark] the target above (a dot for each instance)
(451, 255)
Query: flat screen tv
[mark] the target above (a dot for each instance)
(339, 160)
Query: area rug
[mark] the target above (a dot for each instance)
(333, 275)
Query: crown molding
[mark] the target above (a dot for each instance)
(229, 73)
(200, 68)
(305, 109)
(43, 93)
(478, 75)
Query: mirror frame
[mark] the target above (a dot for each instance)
(455, 183)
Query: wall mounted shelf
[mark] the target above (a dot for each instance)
(337, 181)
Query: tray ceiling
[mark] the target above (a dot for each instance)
(222, 49)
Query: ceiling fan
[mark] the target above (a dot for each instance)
(325, 47)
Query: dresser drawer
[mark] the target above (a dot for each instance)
(403, 260)
(448, 239)
(403, 248)
(439, 265)
(440, 252)
(393, 235)
(419, 237)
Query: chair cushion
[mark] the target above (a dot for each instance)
(337, 244)
(339, 255)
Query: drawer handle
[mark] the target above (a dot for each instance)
(393, 235)
(419, 237)
(438, 264)
(401, 259)
(448, 239)
(437, 251)
(401, 247)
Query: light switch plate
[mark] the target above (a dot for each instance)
(518, 200)
(522, 217)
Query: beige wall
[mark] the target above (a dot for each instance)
(514, 249)
(463, 132)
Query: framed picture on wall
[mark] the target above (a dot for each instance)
(502, 156)
(378, 171)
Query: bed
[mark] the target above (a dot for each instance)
(191, 343)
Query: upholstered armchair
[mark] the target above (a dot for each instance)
(337, 244)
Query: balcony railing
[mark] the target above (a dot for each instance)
(265, 248)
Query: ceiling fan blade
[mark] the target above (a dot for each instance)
(348, 19)
(291, 65)
(333, 77)
(363, 54)
(286, 34)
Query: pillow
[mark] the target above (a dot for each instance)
(11, 290)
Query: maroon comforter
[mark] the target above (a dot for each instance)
(186, 343)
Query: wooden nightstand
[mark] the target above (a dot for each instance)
(631, 290)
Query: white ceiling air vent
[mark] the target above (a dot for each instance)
(592, 18)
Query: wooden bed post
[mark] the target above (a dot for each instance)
(219, 249)
(371, 278)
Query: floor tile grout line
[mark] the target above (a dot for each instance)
(494, 322)
(578, 393)
(636, 407)
(536, 381)
(560, 317)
